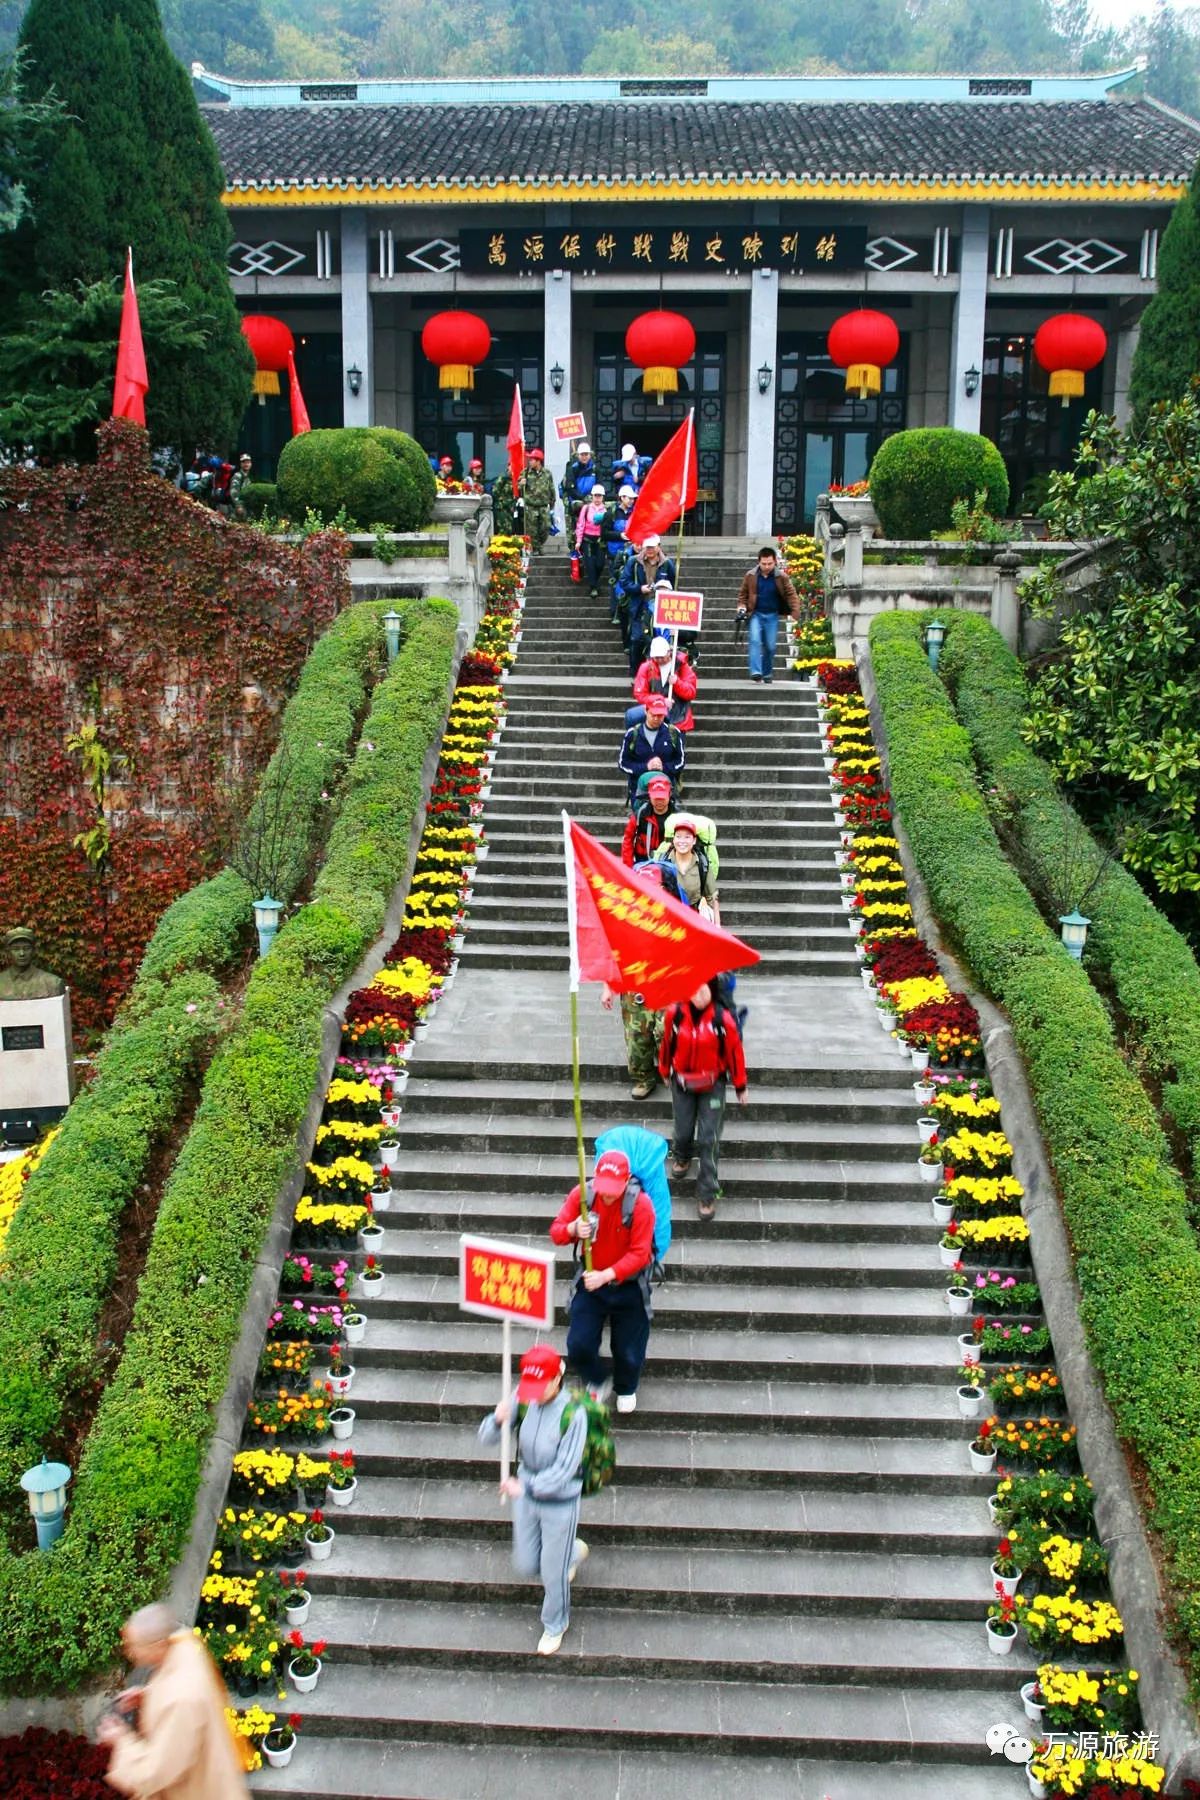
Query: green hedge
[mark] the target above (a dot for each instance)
(135, 1489)
(367, 472)
(71, 1211)
(1136, 1257)
(916, 477)
(1154, 974)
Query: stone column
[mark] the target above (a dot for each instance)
(760, 434)
(1006, 616)
(970, 307)
(556, 349)
(357, 337)
(1127, 340)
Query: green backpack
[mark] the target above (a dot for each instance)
(599, 1462)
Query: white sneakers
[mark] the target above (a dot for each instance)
(626, 1403)
(549, 1641)
(582, 1553)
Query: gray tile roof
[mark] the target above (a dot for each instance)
(473, 147)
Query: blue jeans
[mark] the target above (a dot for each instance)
(764, 628)
(622, 1305)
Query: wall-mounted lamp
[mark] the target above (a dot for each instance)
(46, 1486)
(1074, 929)
(764, 378)
(971, 381)
(354, 379)
(557, 378)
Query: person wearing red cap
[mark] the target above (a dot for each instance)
(473, 480)
(652, 745)
(616, 1289)
(546, 1488)
(644, 826)
(538, 484)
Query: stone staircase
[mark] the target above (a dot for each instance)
(789, 1574)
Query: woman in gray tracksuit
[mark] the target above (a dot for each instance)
(545, 1491)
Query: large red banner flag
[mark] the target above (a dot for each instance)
(132, 383)
(516, 442)
(669, 488)
(627, 931)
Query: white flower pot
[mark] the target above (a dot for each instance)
(420, 1031)
(929, 1172)
(399, 1083)
(320, 1549)
(340, 1385)
(920, 1056)
(983, 1464)
(968, 1351)
(1035, 1712)
(993, 1509)
(923, 1091)
(452, 971)
(279, 1759)
(354, 1328)
(304, 1684)
(861, 955)
(943, 1212)
(370, 1285)
(1008, 1583)
(901, 1049)
(1037, 1788)
(868, 978)
(1000, 1643)
(371, 1238)
(381, 1199)
(959, 1301)
(342, 1496)
(390, 1116)
(341, 1420)
(948, 1256)
(848, 900)
(297, 1615)
(927, 1126)
(457, 941)
(971, 1402)
(481, 852)
(389, 1154)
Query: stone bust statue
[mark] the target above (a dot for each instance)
(22, 979)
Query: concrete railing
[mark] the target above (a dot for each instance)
(455, 565)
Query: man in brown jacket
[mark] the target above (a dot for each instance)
(764, 593)
(181, 1747)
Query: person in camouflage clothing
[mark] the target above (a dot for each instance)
(643, 1035)
(539, 499)
(504, 506)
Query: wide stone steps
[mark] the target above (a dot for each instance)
(496, 1133)
(880, 1105)
(752, 1179)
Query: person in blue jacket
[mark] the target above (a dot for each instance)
(545, 1490)
(652, 745)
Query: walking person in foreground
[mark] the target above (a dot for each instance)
(765, 592)
(616, 1289)
(545, 1490)
(169, 1738)
(701, 1051)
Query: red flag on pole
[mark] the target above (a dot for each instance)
(300, 420)
(669, 488)
(132, 383)
(628, 932)
(516, 442)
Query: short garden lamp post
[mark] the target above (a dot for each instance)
(266, 920)
(935, 631)
(391, 631)
(1074, 928)
(46, 1485)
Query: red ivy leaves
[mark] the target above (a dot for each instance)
(41, 1763)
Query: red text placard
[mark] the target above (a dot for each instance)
(506, 1281)
(569, 426)
(675, 611)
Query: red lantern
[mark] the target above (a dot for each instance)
(1067, 346)
(456, 342)
(272, 344)
(863, 343)
(660, 343)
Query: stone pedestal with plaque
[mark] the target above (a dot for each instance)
(37, 1065)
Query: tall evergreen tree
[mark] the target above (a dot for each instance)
(136, 167)
(1168, 352)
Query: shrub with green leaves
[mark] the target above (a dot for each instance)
(365, 472)
(916, 477)
(1136, 1257)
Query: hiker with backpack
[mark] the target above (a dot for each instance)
(701, 1052)
(644, 833)
(654, 745)
(686, 855)
(657, 675)
(546, 1489)
(615, 1291)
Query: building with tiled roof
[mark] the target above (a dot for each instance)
(969, 209)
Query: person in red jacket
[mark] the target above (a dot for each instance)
(644, 828)
(620, 1228)
(654, 677)
(700, 1052)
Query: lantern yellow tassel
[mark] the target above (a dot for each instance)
(1066, 384)
(660, 379)
(266, 381)
(459, 376)
(865, 377)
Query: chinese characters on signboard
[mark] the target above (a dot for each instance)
(625, 248)
(677, 611)
(506, 1281)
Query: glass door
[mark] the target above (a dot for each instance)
(822, 434)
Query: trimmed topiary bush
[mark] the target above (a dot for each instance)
(917, 476)
(365, 472)
(259, 499)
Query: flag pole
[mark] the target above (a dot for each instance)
(687, 457)
(569, 860)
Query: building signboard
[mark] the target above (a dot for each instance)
(699, 248)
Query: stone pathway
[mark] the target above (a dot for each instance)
(789, 1574)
